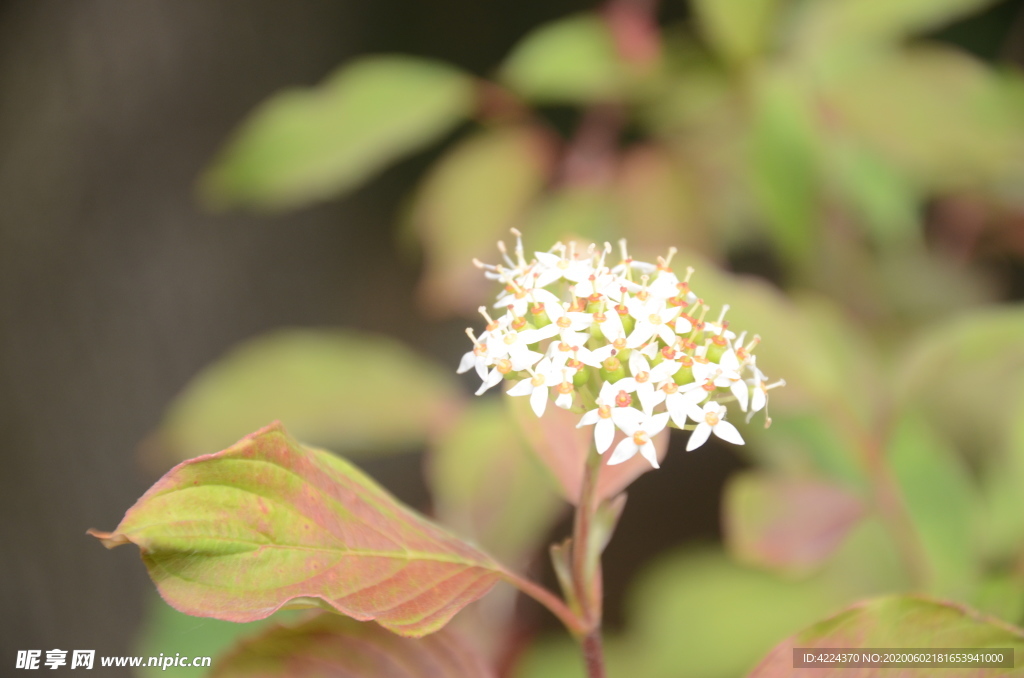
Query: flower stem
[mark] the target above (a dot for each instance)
(593, 654)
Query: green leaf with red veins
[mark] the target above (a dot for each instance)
(468, 201)
(898, 622)
(790, 524)
(328, 645)
(267, 524)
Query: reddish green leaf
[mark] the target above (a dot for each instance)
(786, 523)
(306, 145)
(564, 448)
(328, 645)
(335, 388)
(471, 197)
(267, 523)
(898, 622)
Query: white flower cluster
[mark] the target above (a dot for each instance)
(619, 343)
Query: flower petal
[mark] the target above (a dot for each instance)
(521, 388)
(627, 419)
(728, 433)
(604, 434)
(649, 453)
(624, 451)
(698, 437)
(539, 400)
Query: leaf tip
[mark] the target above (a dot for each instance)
(109, 539)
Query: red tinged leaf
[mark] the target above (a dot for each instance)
(787, 524)
(898, 622)
(564, 448)
(267, 524)
(333, 646)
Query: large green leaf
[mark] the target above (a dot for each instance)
(898, 622)
(786, 523)
(267, 523)
(570, 60)
(328, 645)
(468, 201)
(305, 145)
(942, 505)
(352, 392)
(739, 29)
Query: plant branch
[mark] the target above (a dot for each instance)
(549, 600)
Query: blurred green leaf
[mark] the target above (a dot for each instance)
(975, 352)
(784, 164)
(570, 60)
(329, 645)
(468, 201)
(784, 523)
(702, 611)
(942, 504)
(657, 201)
(305, 145)
(167, 631)
(899, 622)
(739, 29)
(352, 392)
(828, 27)
(808, 443)
(948, 119)
(882, 197)
(488, 486)
(582, 213)
(1002, 479)
(1002, 595)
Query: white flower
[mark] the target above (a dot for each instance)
(601, 418)
(543, 377)
(653, 318)
(639, 428)
(477, 358)
(501, 367)
(678, 399)
(711, 419)
(644, 378)
(521, 298)
(515, 346)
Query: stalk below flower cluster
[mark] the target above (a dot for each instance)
(628, 344)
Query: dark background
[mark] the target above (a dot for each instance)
(116, 288)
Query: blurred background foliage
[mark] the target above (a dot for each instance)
(847, 174)
(870, 172)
